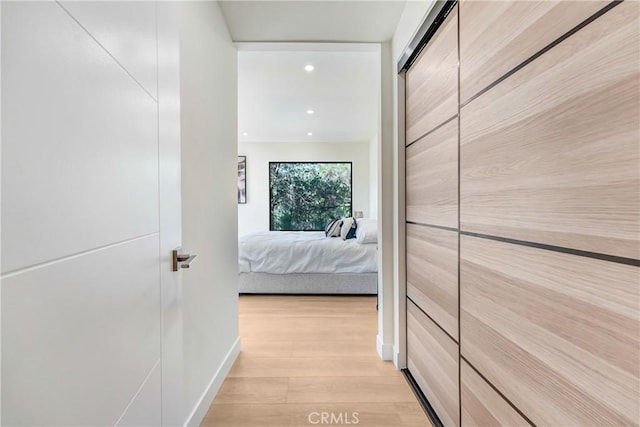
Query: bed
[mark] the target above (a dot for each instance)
(306, 262)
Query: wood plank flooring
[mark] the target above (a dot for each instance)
(306, 356)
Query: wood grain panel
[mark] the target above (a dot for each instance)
(432, 274)
(432, 358)
(432, 82)
(557, 334)
(432, 178)
(551, 154)
(497, 36)
(482, 406)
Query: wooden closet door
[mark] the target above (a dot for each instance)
(482, 405)
(497, 36)
(551, 154)
(433, 361)
(432, 82)
(550, 220)
(557, 333)
(432, 274)
(432, 178)
(523, 214)
(432, 216)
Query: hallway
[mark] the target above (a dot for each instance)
(308, 357)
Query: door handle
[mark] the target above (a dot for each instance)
(181, 260)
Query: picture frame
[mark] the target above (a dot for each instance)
(242, 180)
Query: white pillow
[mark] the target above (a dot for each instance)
(348, 230)
(333, 228)
(367, 231)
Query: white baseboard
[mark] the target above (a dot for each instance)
(385, 351)
(200, 410)
(399, 359)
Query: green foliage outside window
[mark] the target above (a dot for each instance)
(306, 196)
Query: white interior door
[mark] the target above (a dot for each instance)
(173, 408)
(90, 210)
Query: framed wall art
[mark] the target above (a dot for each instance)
(242, 180)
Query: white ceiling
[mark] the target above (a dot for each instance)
(312, 21)
(274, 92)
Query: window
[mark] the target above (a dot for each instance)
(305, 196)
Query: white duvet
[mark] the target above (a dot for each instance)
(284, 252)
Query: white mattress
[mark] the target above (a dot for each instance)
(286, 252)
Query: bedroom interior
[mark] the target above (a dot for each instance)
(303, 110)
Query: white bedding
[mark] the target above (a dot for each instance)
(285, 252)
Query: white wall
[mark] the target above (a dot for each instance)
(209, 171)
(373, 177)
(254, 215)
(385, 337)
(0, 214)
(410, 21)
(412, 17)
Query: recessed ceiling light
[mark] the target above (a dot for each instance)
(310, 111)
(309, 68)
(245, 134)
(309, 133)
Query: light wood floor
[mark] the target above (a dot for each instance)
(305, 355)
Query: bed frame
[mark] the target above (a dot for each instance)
(309, 283)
